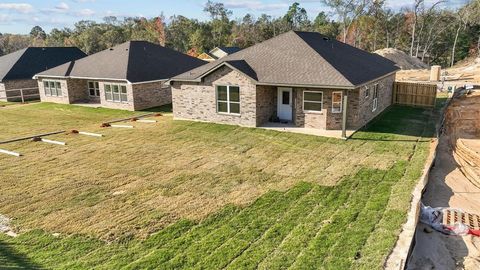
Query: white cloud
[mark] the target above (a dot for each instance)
(18, 7)
(83, 1)
(86, 12)
(62, 6)
(255, 5)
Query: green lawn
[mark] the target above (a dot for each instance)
(206, 196)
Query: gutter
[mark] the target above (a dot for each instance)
(82, 78)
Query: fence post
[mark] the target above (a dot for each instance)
(21, 94)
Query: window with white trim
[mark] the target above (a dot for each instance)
(375, 98)
(312, 101)
(115, 92)
(228, 99)
(337, 98)
(367, 92)
(52, 88)
(93, 89)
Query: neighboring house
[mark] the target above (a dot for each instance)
(301, 78)
(217, 53)
(18, 68)
(129, 76)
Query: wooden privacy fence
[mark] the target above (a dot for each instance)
(22, 94)
(414, 94)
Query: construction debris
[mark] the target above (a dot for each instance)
(31, 137)
(86, 133)
(130, 118)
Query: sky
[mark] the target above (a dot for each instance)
(19, 16)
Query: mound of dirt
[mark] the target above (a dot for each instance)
(403, 60)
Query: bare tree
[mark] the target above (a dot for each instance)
(348, 11)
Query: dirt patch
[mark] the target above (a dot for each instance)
(403, 60)
(450, 186)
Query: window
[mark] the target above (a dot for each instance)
(337, 98)
(312, 101)
(367, 92)
(115, 92)
(52, 88)
(228, 99)
(375, 97)
(286, 97)
(93, 89)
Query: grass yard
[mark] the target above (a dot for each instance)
(181, 194)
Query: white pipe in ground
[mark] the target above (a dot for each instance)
(10, 153)
(90, 134)
(53, 142)
(146, 121)
(121, 126)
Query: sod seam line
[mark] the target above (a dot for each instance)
(323, 226)
(264, 234)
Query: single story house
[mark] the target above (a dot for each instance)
(218, 53)
(18, 68)
(302, 79)
(129, 76)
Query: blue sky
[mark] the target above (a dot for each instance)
(19, 16)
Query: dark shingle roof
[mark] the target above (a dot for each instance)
(24, 64)
(135, 61)
(303, 58)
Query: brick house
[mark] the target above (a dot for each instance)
(17, 69)
(130, 76)
(298, 79)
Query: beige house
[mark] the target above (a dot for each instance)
(297, 79)
(130, 76)
(18, 68)
(217, 53)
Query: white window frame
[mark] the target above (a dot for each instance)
(367, 92)
(375, 98)
(56, 88)
(119, 87)
(312, 101)
(228, 101)
(340, 103)
(96, 88)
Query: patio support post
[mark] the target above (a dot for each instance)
(344, 114)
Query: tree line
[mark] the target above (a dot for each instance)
(424, 30)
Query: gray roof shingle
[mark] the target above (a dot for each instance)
(134, 61)
(25, 63)
(303, 58)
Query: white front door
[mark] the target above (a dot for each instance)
(284, 104)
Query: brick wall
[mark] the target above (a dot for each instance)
(7, 95)
(64, 98)
(266, 103)
(361, 112)
(148, 95)
(319, 120)
(197, 101)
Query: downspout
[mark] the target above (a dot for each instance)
(344, 114)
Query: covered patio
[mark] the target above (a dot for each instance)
(290, 127)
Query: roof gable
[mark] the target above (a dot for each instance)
(133, 61)
(24, 64)
(301, 58)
